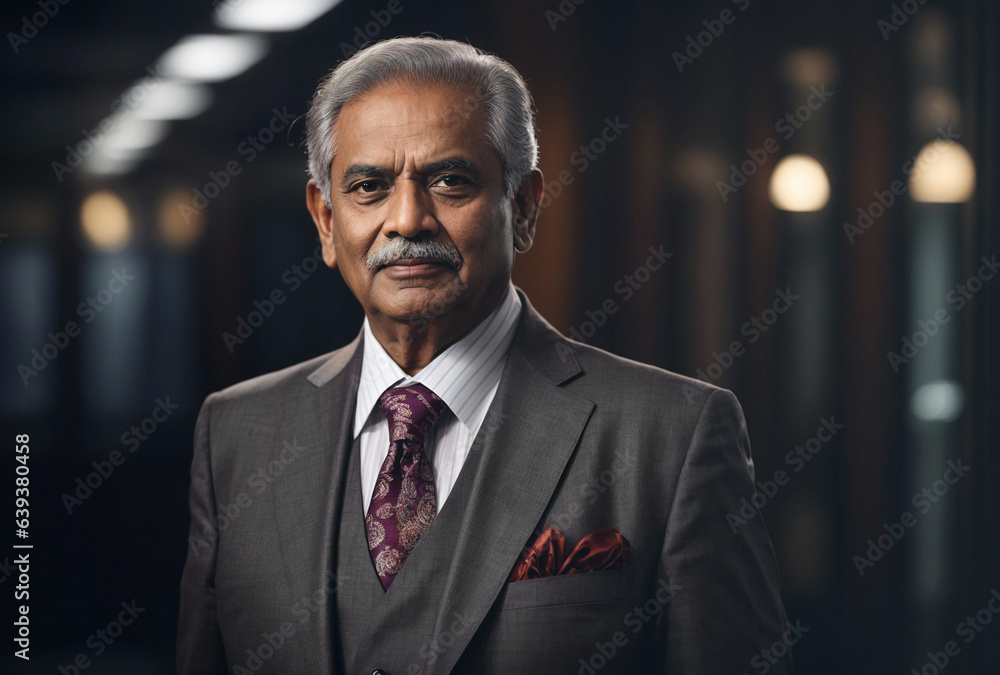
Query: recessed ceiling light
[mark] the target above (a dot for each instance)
(212, 58)
(170, 100)
(271, 15)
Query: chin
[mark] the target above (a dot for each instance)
(416, 304)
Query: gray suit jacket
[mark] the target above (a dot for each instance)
(576, 438)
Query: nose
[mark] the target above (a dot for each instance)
(411, 212)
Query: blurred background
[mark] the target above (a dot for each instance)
(821, 178)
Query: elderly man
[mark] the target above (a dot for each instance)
(461, 488)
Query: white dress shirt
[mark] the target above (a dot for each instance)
(466, 376)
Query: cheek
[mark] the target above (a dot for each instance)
(352, 243)
(493, 232)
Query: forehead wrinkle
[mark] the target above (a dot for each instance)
(398, 135)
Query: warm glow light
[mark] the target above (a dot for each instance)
(943, 173)
(799, 183)
(105, 221)
(936, 108)
(807, 67)
(170, 100)
(271, 15)
(213, 58)
(179, 227)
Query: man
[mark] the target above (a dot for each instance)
(543, 506)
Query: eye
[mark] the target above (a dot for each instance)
(452, 180)
(367, 186)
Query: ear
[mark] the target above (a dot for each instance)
(527, 201)
(323, 217)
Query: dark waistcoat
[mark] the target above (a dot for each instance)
(404, 617)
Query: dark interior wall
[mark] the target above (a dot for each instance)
(683, 117)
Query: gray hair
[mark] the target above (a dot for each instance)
(508, 107)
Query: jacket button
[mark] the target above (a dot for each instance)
(379, 671)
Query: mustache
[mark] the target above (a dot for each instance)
(405, 249)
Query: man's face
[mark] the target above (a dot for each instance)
(413, 165)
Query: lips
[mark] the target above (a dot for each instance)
(412, 262)
(415, 268)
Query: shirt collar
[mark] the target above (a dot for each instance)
(463, 375)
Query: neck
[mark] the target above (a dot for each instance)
(412, 345)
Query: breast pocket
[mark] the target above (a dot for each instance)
(569, 589)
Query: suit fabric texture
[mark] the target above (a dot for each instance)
(576, 438)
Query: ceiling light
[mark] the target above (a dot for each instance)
(106, 165)
(271, 15)
(212, 58)
(171, 100)
(130, 133)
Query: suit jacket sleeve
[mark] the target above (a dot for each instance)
(199, 641)
(726, 605)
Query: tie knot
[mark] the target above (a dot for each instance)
(411, 411)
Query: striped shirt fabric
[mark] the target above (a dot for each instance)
(466, 376)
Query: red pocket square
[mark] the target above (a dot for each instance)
(604, 549)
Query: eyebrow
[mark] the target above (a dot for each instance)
(365, 171)
(450, 164)
(454, 164)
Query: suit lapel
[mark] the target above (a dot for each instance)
(460, 565)
(308, 494)
(530, 434)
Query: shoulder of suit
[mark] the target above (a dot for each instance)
(278, 382)
(604, 371)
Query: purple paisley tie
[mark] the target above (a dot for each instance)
(404, 502)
